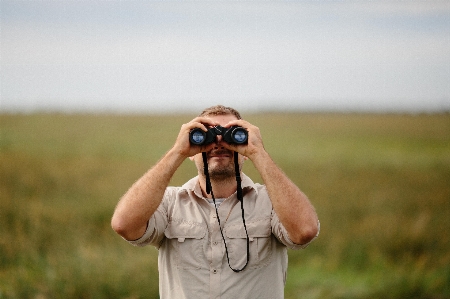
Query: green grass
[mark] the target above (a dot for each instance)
(380, 184)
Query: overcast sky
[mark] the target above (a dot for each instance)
(253, 55)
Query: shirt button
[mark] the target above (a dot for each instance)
(214, 271)
(215, 242)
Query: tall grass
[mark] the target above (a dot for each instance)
(380, 184)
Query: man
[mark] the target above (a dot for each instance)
(197, 258)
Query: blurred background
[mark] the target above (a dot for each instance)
(352, 98)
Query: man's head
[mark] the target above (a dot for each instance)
(220, 160)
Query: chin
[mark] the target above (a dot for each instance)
(221, 174)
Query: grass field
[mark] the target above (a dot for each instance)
(380, 184)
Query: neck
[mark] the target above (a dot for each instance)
(221, 189)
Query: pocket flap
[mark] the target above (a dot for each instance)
(256, 229)
(183, 230)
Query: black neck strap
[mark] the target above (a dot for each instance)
(205, 171)
(240, 198)
(238, 177)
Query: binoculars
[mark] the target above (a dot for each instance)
(232, 135)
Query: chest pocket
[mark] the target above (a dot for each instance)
(260, 237)
(187, 241)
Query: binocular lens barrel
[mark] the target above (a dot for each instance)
(239, 136)
(197, 136)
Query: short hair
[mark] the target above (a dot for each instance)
(220, 110)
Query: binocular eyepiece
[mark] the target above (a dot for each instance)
(232, 135)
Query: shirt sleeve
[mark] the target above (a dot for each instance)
(282, 235)
(156, 225)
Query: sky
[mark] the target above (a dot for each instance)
(179, 56)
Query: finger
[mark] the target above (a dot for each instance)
(206, 121)
(240, 148)
(238, 122)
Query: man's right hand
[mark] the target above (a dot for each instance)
(182, 145)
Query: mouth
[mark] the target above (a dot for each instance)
(220, 154)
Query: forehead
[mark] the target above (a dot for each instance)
(222, 119)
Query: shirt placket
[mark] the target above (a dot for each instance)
(216, 256)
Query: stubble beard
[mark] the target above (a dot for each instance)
(222, 173)
(218, 171)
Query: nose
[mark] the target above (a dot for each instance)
(218, 141)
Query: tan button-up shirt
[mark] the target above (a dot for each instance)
(192, 260)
